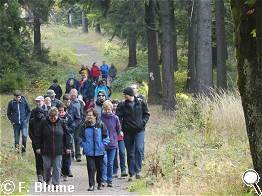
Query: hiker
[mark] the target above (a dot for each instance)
(112, 124)
(52, 141)
(104, 70)
(54, 101)
(112, 72)
(103, 87)
(101, 97)
(47, 105)
(83, 78)
(71, 83)
(87, 90)
(84, 70)
(93, 138)
(39, 101)
(66, 158)
(18, 113)
(120, 151)
(95, 72)
(135, 88)
(34, 129)
(75, 111)
(133, 114)
(57, 89)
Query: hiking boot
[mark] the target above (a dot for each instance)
(40, 178)
(109, 184)
(78, 158)
(131, 178)
(102, 184)
(99, 187)
(70, 174)
(138, 175)
(65, 178)
(124, 175)
(91, 188)
(114, 175)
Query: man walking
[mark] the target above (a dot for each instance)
(18, 112)
(133, 114)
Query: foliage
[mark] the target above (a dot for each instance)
(180, 80)
(13, 81)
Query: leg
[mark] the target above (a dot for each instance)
(56, 173)
(91, 168)
(130, 148)
(24, 136)
(38, 163)
(16, 128)
(99, 165)
(77, 146)
(47, 168)
(122, 156)
(104, 168)
(115, 167)
(110, 160)
(139, 149)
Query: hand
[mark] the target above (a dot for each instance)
(38, 151)
(121, 133)
(68, 151)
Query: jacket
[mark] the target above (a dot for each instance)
(112, 71)
(93, 139)
(58, 90)
(53, 138)
(69, 87)
(88, 90)
(112, 123)
(95, 71)
(104, 69)
(134, 117)
(18, 112)
(106, 89)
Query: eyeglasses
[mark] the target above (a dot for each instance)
(101, 95)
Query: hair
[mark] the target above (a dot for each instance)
(101, 91)
(107, 104)
(73, 91)
(55, 81)
(134, 85)
(53, 111)
(115, 101)
(66, 96)
(101, 82)
(47, 99)
(93, 110)
(61, 105)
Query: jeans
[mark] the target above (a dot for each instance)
(66, 164)
(122, 157)
(104, 168)
(77, 145)
(110, 162)
(55, 163)
(23, 128)
(134, 147)
(94, 165)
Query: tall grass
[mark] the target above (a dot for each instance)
(202, 149)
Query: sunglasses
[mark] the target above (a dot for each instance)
(101, 95)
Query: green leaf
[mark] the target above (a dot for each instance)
(253, 33)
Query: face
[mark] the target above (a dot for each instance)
(73, 97)
(104, 82)
(61, 110)
(53, 119)
(83, 76)
(47, 101)
(107, 110)
(101, 97)
(135, 89)
(67, 103)
(128, 97)
(17, 98)
(114, 106)
(90, 117)
(39, 103)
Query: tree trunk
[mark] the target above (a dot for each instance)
(169, 93)
(204, 48)
(84, 22)
(132, 61)
(154, 79)
(37, 35)
(98, 28)
(69, 19)
(221, 48)
(249, 56)
(192, 31)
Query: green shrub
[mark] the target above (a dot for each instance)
(65, 55)
(13, 81)
(180, 80)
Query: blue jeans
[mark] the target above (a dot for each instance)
(104, 168)
(54, 164)
(110, 161)
(135, 150)
(122, 157)
(23, 128)
(66, 164)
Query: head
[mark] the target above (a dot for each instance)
(55, 81)
(51, 93)
(91, 115)
(66, 100)
(39, 101)
(129, 94)
(47, 101)
(73, 94)
(112, 65)
(83, 75)
(115, 103)
(17, 95)
(135, 88)
(62, 109)
(39, 113)
(94, 64)
(100, 83)
(101, 96)
(107, 107)
(53, 114)
(104, 82)
(104, 62)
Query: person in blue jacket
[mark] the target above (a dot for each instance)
(103, 87)
(93, 137)
(18, 113)
(104, 68)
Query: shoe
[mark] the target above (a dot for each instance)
(138, 175)
(131, 178)
(70, 174)
(109, 184)
(40, 178)
(124, 175)
(115, 176)
(78, 159)
(99, 187)
(102, 184)
(65, 178)
(91, 188)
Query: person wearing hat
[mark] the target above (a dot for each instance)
(54, 101)
(39, 102)
(57, 88)
(18, 113)
(133, 114)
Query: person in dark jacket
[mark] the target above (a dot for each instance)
(57, 88)
(87, 90)
(112, 124)
(54, 101)
(93, 138)
(34, 129)
(18, 113)
(112, 72)
(52, 141)
(133, 114)
(72, 83)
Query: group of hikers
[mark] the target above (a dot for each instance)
(83, 118)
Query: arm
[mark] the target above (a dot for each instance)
(38, 135)
(30, 130)
(28, 110)
(118, 126)
(105, 135)
(9, 111)
(146, 113)
(119, 112)
(67, 136)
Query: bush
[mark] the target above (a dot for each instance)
(13, 81)
(180, 80)
(65, 55)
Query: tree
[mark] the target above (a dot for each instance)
(248, 40)
(221, 46)
(84, 21)
(154, 79)
(204, 48)
(169, 93)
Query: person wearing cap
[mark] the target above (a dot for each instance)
(57, 89)
(18, 113)
(34, 129)
(54, 101)
(133, 114)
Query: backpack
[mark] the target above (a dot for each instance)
(104, 69)
(95, 71)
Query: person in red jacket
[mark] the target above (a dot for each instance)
(95, 72)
